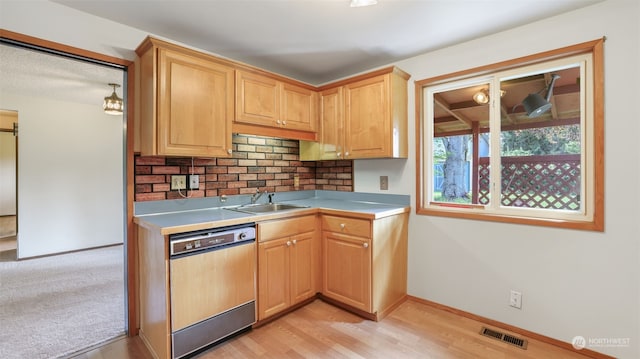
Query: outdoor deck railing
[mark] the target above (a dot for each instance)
(550, 182)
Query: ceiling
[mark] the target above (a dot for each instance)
(33, 73)
(455, 111)
(315, 41)
(318, 41)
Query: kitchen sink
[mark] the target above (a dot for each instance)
(266, 208)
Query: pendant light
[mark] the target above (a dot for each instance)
(113, 104)
(535, 104)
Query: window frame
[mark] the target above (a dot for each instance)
(592, 156)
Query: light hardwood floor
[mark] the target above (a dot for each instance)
(7, 226)
(320, 330)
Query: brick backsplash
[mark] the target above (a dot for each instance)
(262, 163)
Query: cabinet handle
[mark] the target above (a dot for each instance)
(346, 154)
(284, 123)
(295, 241)
(365, 245)
(338, 154)
(288, 243)
(342, 226)
(229, 151)
(278, 122)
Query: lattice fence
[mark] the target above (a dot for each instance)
(550, 182)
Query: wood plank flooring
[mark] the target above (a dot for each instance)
(8, 225)
(320, 330)
(8, 243)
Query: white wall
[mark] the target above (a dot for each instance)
(72, 185)
(573, 282)
(70, 176)
(53, 22)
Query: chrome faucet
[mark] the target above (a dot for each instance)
(256, 196)
(271, 195)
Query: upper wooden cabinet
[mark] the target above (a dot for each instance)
(186, 102)
(363, 117)
(277, 108)
(331, 129)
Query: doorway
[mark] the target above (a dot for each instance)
(8, 182)
(70, 180)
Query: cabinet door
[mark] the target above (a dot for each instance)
(257, 99)
(273, 277)
(195, 106)
(330, 142)
(367, 118)
(331, 122)
(299, 108)
(347, 269)
(303, 268)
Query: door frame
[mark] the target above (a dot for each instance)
(130, 248)
(8, 125)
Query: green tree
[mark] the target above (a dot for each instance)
(554, 140)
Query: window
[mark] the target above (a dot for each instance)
(519, 141)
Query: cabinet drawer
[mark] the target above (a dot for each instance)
(351, 226)
(285, 227)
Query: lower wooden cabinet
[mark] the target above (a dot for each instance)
(288, 263)
(365, 262)
(347, 269)
(356, 262)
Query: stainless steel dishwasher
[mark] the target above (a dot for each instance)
(212, 280)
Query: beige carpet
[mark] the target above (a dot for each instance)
(55, 306)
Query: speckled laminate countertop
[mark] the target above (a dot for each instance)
(178, 216)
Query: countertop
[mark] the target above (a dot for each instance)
(178, 216)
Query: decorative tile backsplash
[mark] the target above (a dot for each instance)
(262, 163)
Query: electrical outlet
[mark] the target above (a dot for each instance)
(194, 181)
(296, 181)
(384, 182)
(515, 300)
(178, 182)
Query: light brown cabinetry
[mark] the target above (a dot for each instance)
(153, 292)
(331, 133)
(288, 263)
(186, 102)
(267, 105)
(347, 261)
(365, 262)
(363, 117)
(168, 299)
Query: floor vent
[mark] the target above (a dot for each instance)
(509, 339)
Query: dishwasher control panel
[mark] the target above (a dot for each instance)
(183, 243)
